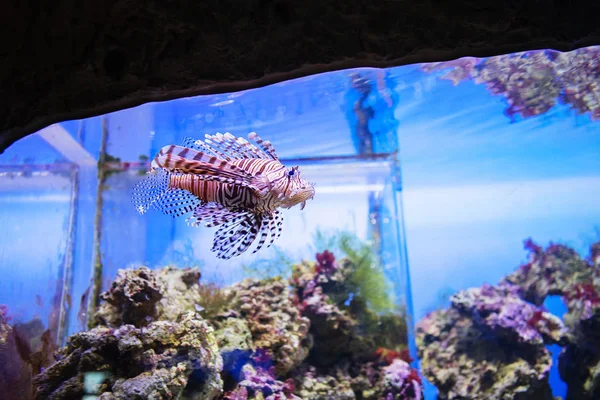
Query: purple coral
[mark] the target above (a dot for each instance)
(580, 72)
(534, 81)
(550, 271)
(501, 310)
(325, 263)
(261, 383)
(401, 382)
(274, 320)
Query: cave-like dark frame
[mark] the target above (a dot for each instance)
(71, 59)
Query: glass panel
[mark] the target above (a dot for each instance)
(449, 166)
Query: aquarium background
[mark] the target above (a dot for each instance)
(478, 169)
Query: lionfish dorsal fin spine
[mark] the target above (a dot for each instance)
(265, 145)
(199, 145)
(184, 160)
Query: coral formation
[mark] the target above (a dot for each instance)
(330, 331)
(549, 272)
(259, 384)
(312, 385)
(163, 360)
(400, 382)
(464, 362)
(131, 299)
(276, 324)
(139, 296)
(340, 304)
(500, 311)
(491, 342)
(532, 82)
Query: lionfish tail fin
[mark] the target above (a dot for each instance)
(154, 191)
(147, 191)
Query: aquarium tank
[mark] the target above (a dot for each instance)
(428, 231)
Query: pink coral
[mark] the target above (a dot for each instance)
(401, 382)
(261, 383)
(325, 263)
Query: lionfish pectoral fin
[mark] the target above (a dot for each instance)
(238, 228)
(154, 191)
(212, 214)
(271, 226)
(235, 236)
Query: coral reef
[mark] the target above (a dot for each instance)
(400, 382)
(549, 272)
(163, 360)
(491, 342)
(259, 384)
(330, 331)
(580, 360)
(312, 385)
(464, 362)
(340, 303)
(276, 324)
(140, 296)
(500, 311)
(131, 299)
(532, 82)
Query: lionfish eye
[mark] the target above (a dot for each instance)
(291, 172)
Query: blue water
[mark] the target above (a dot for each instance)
(474, 183)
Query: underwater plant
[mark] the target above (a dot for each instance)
(212, 300)
(365, 276)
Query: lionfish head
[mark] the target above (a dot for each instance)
(297, 191)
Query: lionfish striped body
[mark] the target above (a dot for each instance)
(227, 182)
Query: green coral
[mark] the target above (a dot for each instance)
(366, 277)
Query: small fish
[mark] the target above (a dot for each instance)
(227, 182)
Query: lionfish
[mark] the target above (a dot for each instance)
(227, 182)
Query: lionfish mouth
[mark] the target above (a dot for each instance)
(312, 196)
